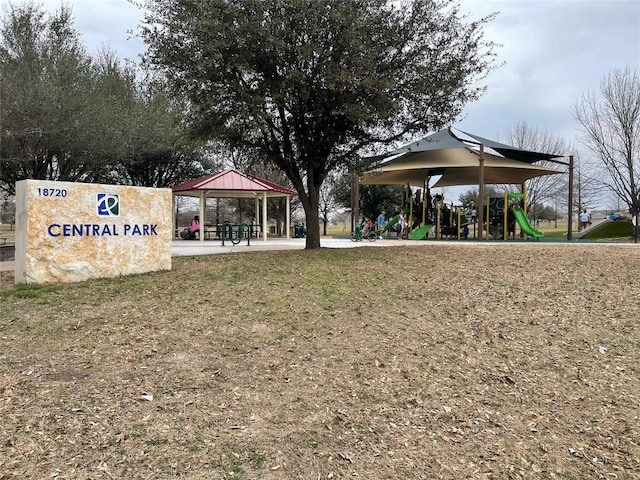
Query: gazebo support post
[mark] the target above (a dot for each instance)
(288, 216)
(264, 216)
(410, 197)
(203, 209)
(174, 217)
(481, 192)
(257, 210)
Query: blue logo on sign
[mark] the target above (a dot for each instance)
(108, 205)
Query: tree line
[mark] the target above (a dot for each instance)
(72, 117)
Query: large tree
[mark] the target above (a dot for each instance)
(310, 83)
(72, 117)
(46, 78)
(610, 123)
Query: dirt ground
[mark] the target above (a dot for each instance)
(432, 362)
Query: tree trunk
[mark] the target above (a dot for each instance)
(313, 232)
(355, 200)
(311, 206)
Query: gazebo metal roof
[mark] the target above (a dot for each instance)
(231, 183)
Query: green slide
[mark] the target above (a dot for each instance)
(387, 226)
(525, 225)
(419, 233)
(390, 223)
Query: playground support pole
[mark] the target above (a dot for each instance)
(504, 216)
(424, 203)
(570, 218)
(410, 197)
(481, 192)
(488, 217)
(524, 205)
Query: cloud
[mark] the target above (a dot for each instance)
(554, 51)
(105, 23)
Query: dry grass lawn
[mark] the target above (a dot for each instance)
(513, 361)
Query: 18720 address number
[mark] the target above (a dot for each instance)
(52, 192)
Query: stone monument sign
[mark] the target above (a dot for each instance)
(71, 232)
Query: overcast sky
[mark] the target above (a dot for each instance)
(553, 52)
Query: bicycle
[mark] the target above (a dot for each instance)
(359, 235)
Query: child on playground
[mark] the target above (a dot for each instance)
(366, 226)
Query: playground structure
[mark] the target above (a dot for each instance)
(449, 221)
(423, 216)
(503, 213)
(457, 161)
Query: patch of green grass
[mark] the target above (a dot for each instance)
(622, 228)
(258, 460)
(157, 441)
(460, 338)
(237, 473)
(568, 476)
(236, 275)
(31, 291)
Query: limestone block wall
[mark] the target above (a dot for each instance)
(71, 232)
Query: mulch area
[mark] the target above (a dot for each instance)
(516, 361)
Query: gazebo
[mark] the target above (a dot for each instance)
(231, 183)
(462, 162)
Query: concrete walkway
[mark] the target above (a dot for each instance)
(214, 247)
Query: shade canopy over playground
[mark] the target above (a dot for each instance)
(443, 154)
(459, 161)
(456, 167)
(231, 183)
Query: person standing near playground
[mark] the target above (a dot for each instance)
(402, 224)
(584, 219)
(381, 220)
